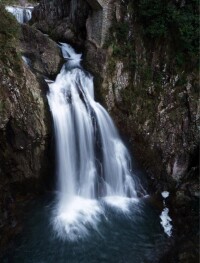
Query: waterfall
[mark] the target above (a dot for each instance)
(93, 165)
(165, 218)
(73, 7)
(22, 14)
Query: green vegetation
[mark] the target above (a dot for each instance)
(8, 25)
(174, 19)
(9, 35)
(155, 40)
(121, 41)
(163, 21)
(1, 106)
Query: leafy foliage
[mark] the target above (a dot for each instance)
(162, 18)
(121, 41)
(161, 22)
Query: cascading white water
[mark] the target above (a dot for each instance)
(22, 14)
(93, 165)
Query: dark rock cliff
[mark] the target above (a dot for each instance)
(63, 20)
(151, 93)
(147, 77)
(25, 128)
(150, 85)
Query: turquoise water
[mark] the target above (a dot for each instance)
(136, 237)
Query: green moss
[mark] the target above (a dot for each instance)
(121, 41)
(169, 34)
(164, 19)
(2, 106)
(9, 37)
(9, 27)
(111, 66)
(137, 95)
(161, 21)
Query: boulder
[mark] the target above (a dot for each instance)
(43, 53)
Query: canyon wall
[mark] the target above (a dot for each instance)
(26, 56)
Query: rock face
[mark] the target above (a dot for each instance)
(152, 98)
(25, 128)
(63, 20)
(73, 21)
(24, 131)
(160, 121)
(44, 55)
(147, 77)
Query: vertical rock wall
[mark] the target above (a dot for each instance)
(153, 99)
(146, 75)
(25, 129)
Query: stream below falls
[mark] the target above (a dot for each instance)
(122, 237)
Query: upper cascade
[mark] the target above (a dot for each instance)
(22, 14)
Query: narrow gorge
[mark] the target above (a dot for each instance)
(99, 139)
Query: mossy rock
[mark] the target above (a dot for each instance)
(9, 37)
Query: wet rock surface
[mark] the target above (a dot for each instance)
(44, 55)
(24, 138)
(25, 128)
(62, 20)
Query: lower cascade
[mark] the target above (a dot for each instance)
(93, 165)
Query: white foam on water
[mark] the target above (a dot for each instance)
(120, 203)
(166, 221)
(165, 194)
(74, 219)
